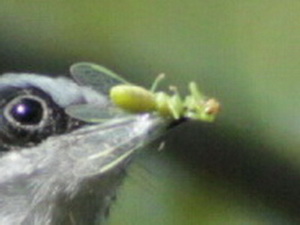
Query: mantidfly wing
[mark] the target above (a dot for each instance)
(98, 77)
(94, 113)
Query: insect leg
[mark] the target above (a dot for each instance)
(157, 80)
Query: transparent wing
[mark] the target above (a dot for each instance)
(103, 146)
(98, 77)
(94, 113)
(102, 80)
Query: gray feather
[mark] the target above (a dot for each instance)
(70, 178)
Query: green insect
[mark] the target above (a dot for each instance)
(125, 97)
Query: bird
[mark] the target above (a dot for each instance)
(56, 169)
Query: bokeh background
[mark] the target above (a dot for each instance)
(243, 169)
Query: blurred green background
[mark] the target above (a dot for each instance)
(243, 169)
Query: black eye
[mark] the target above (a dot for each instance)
(27, 111)
(29, 115)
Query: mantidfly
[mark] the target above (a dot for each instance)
(135, 99)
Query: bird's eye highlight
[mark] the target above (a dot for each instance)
(27, 111)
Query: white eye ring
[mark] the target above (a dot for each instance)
(17, 124)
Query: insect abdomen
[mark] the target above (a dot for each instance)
(133, 98)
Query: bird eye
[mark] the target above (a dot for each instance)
(28, 116)
(27, 111)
